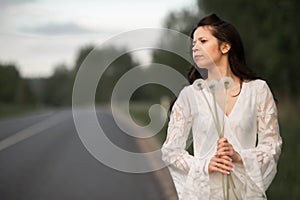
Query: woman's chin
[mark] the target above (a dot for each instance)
(203, 65)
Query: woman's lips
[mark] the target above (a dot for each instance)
(196, 57)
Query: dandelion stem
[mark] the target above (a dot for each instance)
(217, 116)
(227, 187)
(223, 187)
(224, 113)
(233, 190)
(211, 112)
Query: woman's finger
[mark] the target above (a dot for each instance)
(228, 158)
(217, 169)
(221, 165)
(222, 140)
(226, 163)
(225, 149)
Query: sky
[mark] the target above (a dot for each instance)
(38, 35)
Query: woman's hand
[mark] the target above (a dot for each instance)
(224, 148)
(222, 164)
(223, 160)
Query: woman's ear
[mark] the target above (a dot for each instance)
(225, 47)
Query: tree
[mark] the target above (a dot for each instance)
(112, 73)
(9, 81)
(24, 93)
(57, 89)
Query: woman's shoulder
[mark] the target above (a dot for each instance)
(189, 89)
(257, 84)
(259, 88)
(186, 90)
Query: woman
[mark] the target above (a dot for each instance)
(251, 145)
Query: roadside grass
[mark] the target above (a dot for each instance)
(287, 181)
(8, 110)
(139, 113)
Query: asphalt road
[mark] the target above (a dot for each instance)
(42, 158)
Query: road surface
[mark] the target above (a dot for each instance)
(42, 158)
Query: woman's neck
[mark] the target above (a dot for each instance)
(218, 72)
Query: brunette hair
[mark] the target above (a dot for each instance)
(225, 32)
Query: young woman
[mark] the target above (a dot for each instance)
(251, 145)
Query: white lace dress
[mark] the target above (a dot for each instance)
(252, 129)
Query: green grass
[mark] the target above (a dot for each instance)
(8, 110)
(287, 182)
(139, 113)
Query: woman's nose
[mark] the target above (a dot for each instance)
(196, 47)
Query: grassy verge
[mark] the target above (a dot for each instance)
(139, 113)
(8, 110)
(287, 180)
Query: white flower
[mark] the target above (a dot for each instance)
(213, 85)
(199, 84)
(227, 82)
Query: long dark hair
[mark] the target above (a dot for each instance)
(225, 32)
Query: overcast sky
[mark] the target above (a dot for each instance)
(37, 35)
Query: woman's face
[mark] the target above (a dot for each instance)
(206, 49)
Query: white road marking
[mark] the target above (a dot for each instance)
(34, 129)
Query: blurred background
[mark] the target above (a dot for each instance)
(43, 44)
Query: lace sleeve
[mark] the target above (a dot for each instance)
(190, 174)
(173, 149)
(261, 163)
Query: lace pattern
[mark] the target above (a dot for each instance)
(174, 147)
(195, 182)
(253, 177)
(261, 162)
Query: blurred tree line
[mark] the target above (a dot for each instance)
(13, 88)
(56, 90)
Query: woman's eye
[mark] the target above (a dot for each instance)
(203, 41)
